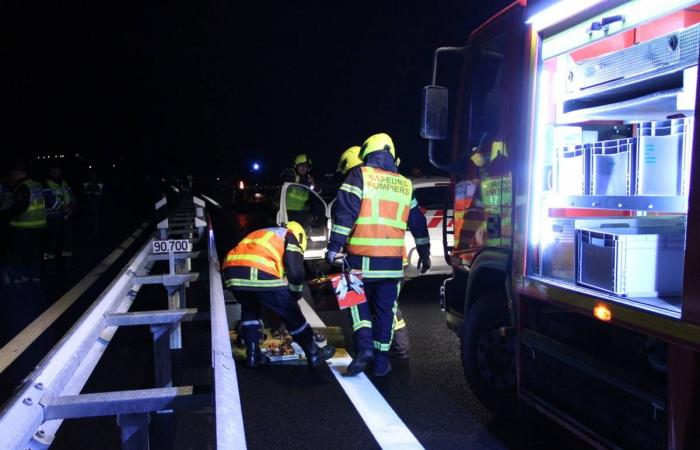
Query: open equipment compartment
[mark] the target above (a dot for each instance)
(627, 118)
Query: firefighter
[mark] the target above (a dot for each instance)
(60, 206)
(27, 225)
(374, 206)
(298, 207)
(266, 269)
(400, 345)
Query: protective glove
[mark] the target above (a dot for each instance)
(342, 289)
(330, 256)
(424, 263)
(355, 283)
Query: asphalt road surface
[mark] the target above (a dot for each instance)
(425, 399)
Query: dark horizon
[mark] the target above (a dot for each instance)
(237, 83)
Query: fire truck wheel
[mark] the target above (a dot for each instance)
(488, 353)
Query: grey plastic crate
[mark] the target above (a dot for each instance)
(573, 170)
(633, 262)
(661, 160)
(612, 167)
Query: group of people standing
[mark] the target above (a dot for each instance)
(374, 207)
(38, 217)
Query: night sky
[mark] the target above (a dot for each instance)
(208, 87)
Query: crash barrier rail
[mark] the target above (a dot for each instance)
(51, 393)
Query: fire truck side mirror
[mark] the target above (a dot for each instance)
(434, 113)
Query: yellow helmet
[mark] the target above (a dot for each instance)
(302, 159)
(349, 159)
(298, 231)
(377, 142)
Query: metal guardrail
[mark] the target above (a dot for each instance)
(51, 393)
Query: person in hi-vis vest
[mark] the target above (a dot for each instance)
(27, 226)
(60, 206)
(266, 269)
(375, 205)
(401, 344)
(298, 198)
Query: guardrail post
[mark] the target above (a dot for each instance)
(161, 217)
(162, 362)
(134, 430)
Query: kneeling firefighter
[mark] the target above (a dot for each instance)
(375, 204)
(266, 269)
(401, 344)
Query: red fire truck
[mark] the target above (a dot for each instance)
(576, 256)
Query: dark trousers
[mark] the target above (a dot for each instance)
(25, 252)
(373, 321)
(279, 301)
(59, 234)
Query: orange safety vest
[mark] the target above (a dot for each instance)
(262, 249)
(381, 225)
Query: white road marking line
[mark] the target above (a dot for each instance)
(13, 349)
(383, 422)
(311, 315)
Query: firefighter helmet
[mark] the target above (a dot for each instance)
(298, 231)
(349, 159)
(302, 159)
(377, 142)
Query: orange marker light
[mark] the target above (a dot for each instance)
(602, 312)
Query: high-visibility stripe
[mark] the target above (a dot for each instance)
(361, 324)
(400, 324)
(259, 259)
(381, 221)
(351, 189)
(383, 274)
(378, 242)
(294, 248)
(250, 323)
(296, 287)
(341, 230)
(422, 240)
(381, 346)
(300, 329)
(393, 312)
(414, 203)
(240, 282)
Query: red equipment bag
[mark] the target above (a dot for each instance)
(337, 292)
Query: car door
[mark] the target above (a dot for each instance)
(314, 217)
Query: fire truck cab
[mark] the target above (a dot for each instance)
(571, 143)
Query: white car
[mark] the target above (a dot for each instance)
(432, 194)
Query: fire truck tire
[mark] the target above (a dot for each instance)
(488, 354)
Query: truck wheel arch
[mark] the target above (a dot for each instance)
(488, 273)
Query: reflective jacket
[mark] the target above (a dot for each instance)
(35, 215)
(297, 197)
(269, 258)
(381, 224)
(347, 210)
(57, 196)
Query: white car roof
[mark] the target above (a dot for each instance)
(423, 182)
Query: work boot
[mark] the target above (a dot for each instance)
(315, 355)
(359, 363)
(400, 345)
(254, 356)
